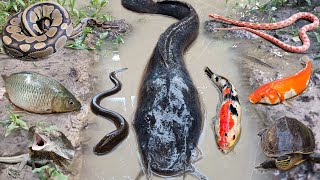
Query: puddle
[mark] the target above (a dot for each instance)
(123, 163)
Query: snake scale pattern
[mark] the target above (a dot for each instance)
(39, 31)
(269, 26)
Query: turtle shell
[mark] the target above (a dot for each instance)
(287, 136)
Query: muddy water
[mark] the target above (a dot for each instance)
(123, 163)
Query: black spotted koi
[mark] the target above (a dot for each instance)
(227, 121)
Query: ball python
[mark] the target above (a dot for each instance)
(269, 26)
(41, 30)
(112, 139)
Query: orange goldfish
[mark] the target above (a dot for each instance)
(279, 90)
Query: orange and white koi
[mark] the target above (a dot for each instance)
(279, 90)
(227, 121)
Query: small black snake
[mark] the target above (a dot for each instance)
(112, 139)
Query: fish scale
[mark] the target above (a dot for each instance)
(40, 94)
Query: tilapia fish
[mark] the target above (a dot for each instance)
(37, 93)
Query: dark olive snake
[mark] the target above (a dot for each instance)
(41, 30)
(112, 139)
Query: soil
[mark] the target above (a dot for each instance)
(71, 68)
(262, 62)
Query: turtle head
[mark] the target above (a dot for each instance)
(286, 162)
(265, 94)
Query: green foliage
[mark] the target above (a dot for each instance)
(93, 10)
(97, 5)
(10, 7)
(14, 122)
(79, 43)
(46, 172)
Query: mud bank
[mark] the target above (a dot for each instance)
(70, 67)
(260, 61)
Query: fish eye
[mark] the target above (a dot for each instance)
(225, 134)
(262, 97)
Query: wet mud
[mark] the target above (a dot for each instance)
(245, 59)
(260, 62)
(70, 68)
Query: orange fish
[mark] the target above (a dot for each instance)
(279, 90)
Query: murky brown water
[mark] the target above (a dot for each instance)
(123, 162)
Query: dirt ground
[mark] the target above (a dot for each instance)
(70, 67)
(262, 62)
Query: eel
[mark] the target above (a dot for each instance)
(114, 138)
(169, 118)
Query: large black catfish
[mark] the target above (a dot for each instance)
(168, 120)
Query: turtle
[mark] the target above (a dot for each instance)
(287, 143)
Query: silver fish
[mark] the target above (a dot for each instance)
(37, 93)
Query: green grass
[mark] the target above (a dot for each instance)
(46, 172)
(13, 122)
(10, 7)
(80, 43)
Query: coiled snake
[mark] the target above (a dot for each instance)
(40, 30)
(269, 26)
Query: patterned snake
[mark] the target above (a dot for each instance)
(41, 30)
(269, 26)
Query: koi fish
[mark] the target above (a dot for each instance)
(227, 121)
(279, 90)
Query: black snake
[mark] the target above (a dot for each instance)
(111, 140)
